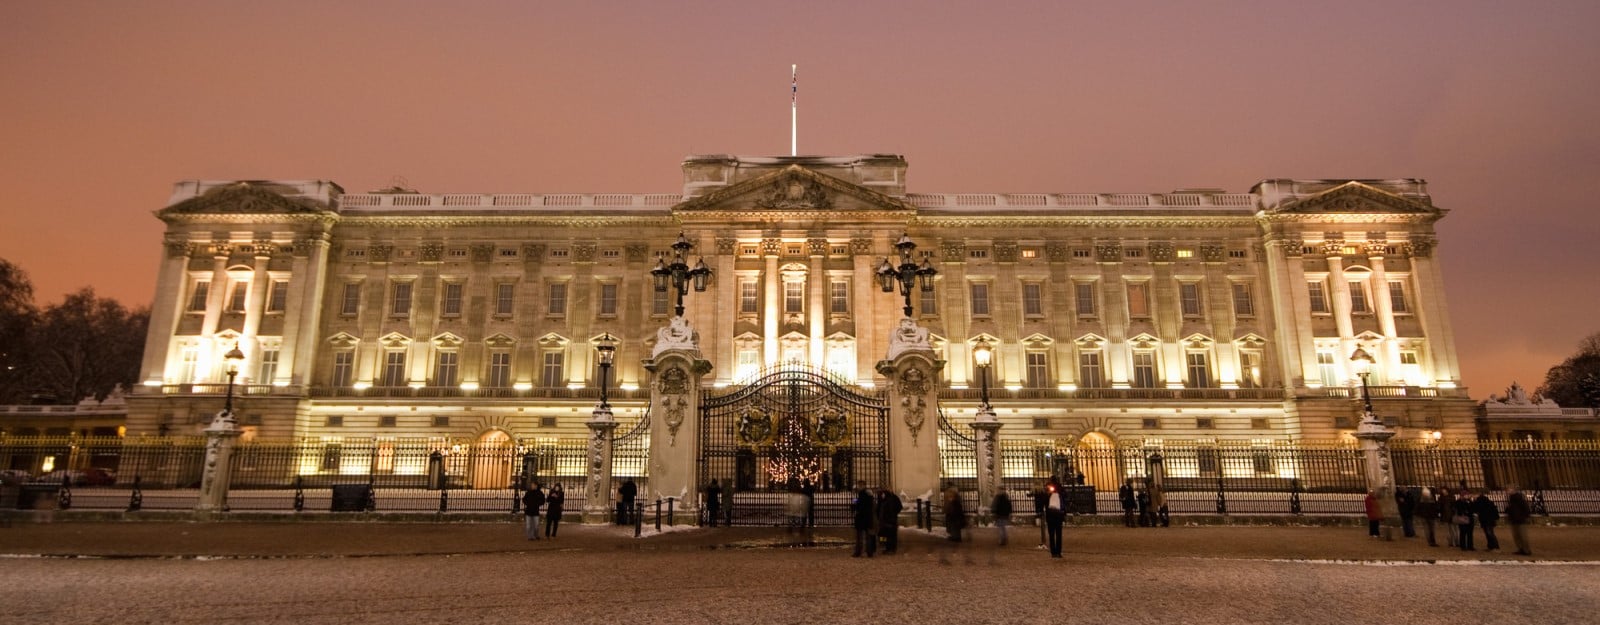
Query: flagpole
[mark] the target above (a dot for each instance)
(794, 110)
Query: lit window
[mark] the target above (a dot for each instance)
(839, 297)
(1144, 369)
(1090, 373)
(1250, 369)
(1184, 252)
(1030, 252)
(553, 374)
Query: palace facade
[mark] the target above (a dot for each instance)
(1195, 315)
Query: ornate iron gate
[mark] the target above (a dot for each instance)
(788, 427)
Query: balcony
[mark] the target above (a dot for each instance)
(456, 392)
(1383, 392)
(1119, 393)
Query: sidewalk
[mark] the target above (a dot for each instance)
(333, 539)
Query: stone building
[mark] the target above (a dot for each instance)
(1116, 318)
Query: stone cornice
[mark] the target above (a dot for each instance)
(246, 218)
(1350, 218)
(466, 221)
(755, 186)
(1085, 221)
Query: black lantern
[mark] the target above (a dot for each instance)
(908, 275)
(1363, 363)
(679, 275)
(233, 358)
(606, 348)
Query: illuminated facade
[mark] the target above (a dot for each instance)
(1196, 315)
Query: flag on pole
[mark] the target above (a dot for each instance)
(794, 82)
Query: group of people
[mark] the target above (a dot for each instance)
(1459, 512)
(875, 517)
(1137, 508)
(553, 504)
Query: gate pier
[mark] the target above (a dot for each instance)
(675, 397)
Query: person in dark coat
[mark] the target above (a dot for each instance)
(1428, 511)
(955, 513)
(626, 493)
(810, 491)
(1488, 517)
(532, 500)
(1518, 513)
(554, 505)
(1406, 499)
(1147, 517)
(1055, 513)
(713, 502)
(865, 508)
(1462, 517)
(889, 508)
(1129, 503)
(1002, 513)
(1447, 513)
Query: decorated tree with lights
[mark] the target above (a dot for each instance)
(793, 458)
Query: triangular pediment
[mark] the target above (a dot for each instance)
(246, 198)
(1355, 197)
(794, 188)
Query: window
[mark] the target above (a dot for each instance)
(1199, 370)
(350, 300)
(1033, 299)
(794, 249)
(507, 252)
(189, 365)
(749, 362)
(1261, 459)
(330, 457)
(1250, 369)
(794, 297)
(930, 303)
(1138, 300)
(1038, 370)
(1205, 423)
(1189, 299)
(1030, 252)
(553, 374)
(500, 369)
(1358, 297)
(839, 297)
(1184, 252)
(611, 253)
(1133, 252)
(394, 368)
(980, 299)
(547, 422)
(278, 297)
(505, 298)
(1319, 298)
(441, 421)
(451, 306)
(658, 303)
(1090, 374)
(749, 297)
(1144, 369)
(1081, 252)
(388, 421)
(1243, 304)
(267, 367)
(334, 421)
(400, 303)
(1410, 368)
(236, 298)
(558, 299)
(343, 368)
(198, 295)
(748, 249)
(1327, 368)
(838, 249)
(1084, 294)
(444, 369)
(1238, 254)
(608, 300)
(977, 253)
(1397, 297)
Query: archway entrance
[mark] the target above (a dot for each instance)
(491, 460)
(1096, 457)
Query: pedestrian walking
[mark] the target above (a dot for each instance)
(1002, 513)
(866, 521)
(554, 505)
(889, 508)
(1055, 513)
(532, 500)
(1428, 512)
(1129, 503)
(1518, 513)
(955, 513)
(713, 502)
(1406, 500)
(1374, 514)
(1488, 517)
(1462, 517)
(1447, 515)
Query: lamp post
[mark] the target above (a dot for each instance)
(982, 354)
(1363, 363)
(1374, 438)
(908, 274)
(606, 348)
(679, 274)
(233, 358)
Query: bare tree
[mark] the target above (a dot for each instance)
(17, 317)
(85, 346)
(1576, 381)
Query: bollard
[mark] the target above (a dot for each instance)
(669, 512)
(444, 500)
(136, 499)
(658, 515)
(299, 494)
(64, 501)
(1222, 499)
(638, 519)
(1294, 496)
(1539, 506)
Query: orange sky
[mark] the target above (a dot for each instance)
(105, 104)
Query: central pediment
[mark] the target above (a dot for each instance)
(794, 188)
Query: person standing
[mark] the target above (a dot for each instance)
(955, 513)
(1040, 495)
(1147, 516)
(889, 508)
(1488, 517)
(810, 491)
(865, 508)
(625, 494)
(1428, 511)
(1374, 514)
(532, 500)
(1125, 495)
(1407, 502)
(1518, 513)
(1002, 513)
(727, 504)
(553, 505)
(1462, 517)
(713, 502)
(1447, 515)
(1055, 513)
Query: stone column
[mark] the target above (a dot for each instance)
(676, 369)
(597, 496)
(218, 468)
(1339, 290)
(816, 300)
(990, 463)
(166, 309)
(1389, 356)
(1374, 439)
(912, 370)
(771, 300)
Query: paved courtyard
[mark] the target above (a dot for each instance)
(485, 572)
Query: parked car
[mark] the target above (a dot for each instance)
(90, 477)
(15, 476)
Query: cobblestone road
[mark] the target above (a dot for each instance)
(485, 573)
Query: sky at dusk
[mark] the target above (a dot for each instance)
(1496, 104)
